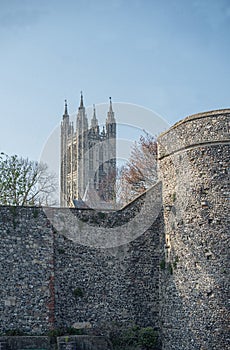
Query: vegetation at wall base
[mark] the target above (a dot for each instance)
(14, 332)
(59, 332)
(134, 338)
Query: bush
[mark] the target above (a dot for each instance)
(134, 337)
(58, 332)
(14, 332)
(162, 264)
(147, 338)
(78, 292)
(123, 338)
(130, 335)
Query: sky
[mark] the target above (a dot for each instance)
(169, 56)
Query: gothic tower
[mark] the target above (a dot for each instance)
(81, 149)
(88, 159)
(110, 165)
(66, 131)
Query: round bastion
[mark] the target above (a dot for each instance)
(194, 170)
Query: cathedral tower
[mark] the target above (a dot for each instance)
(88, 159)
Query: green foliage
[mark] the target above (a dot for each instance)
(162, 264)
(57, 332)
(35, 213)
(134, 337)
(66, 331)
(74, 331)
(67, 339)
(130, 335)
(13, 210)
(61, 250)
(14, 223)
(84, 219)
(78, 292)
(174, 196)
(170, 268)
(176, 260)
(25, 182)
(122, 338)
(14, 332)
(101, 215)
(147, 338)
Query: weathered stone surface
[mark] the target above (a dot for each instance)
(25, 270)
(118, 284)
(173, 276)
(55, 282)
(82, 325)
(33, 342)
(83, 342)
(194, 170)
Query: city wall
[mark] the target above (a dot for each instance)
(194, 168)
(49, 280)
(173, 276)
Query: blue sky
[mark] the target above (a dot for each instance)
(170, 56)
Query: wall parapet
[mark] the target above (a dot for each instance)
(196, 130)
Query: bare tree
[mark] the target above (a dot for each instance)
(140, 172)
(25, 183)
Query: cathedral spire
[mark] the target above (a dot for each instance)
(94, 111)
(110, 105)
(66, 115)
(81, 102)
(82, 121)
(66, 108)
(110, 114)
(94, 121)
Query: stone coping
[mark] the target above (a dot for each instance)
(195, 116)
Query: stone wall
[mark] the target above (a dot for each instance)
(84, 342)
(79, 342)
(117, 285)
(165, 267)
(26, 270)
(194, 165)
(27, 342)
(50, 280)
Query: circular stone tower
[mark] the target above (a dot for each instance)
(194, 165)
